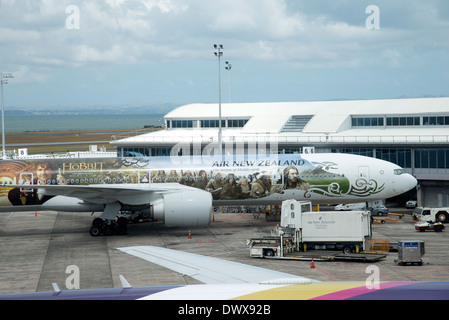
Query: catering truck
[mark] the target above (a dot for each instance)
(302, 229)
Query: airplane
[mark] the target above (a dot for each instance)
(181, 191)
(228, 280)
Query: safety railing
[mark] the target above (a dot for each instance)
(285, 139)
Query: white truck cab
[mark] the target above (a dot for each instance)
(432, 214)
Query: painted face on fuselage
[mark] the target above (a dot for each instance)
(293, 175)
(43, 174)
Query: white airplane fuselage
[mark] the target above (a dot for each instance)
(179, 186)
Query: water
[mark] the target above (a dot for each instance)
(22, 123)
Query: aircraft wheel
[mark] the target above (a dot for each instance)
(347, 249)
(441, 217)
(98, 222)
(95, 231)
(108, 230)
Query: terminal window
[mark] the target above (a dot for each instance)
(212, 123)
(400, 121)
(403, 121)
(436, 121)
(432, 158)
(367, 121)
(181, 124)
(423, 158)
(234, 123)
(136, 152)
(401, 157)
(237, 123)
(160, 152)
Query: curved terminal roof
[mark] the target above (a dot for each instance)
(318, 118)
(328, 116)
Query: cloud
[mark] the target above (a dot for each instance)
(117, 31)
(290, 35)
(86, 54)
(267, 19)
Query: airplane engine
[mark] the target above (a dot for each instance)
(186, 208)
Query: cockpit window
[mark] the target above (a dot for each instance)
(398, 172)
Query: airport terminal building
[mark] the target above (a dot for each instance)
(413, 133)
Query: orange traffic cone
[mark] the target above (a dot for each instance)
(213, 218)
(312, 266)
(35, 213)
(190, 235)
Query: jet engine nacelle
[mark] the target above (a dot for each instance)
(185, 208)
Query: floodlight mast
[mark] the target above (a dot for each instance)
(4, 80)
(219, 53)
(229, 67)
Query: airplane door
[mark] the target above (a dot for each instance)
(364, 173)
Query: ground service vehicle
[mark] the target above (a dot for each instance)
(429, 225)
(432, 214)
(302, 229)
(379, 211)
(411, 204)
(410, 252)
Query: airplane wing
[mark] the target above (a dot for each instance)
(175, 204)
(211, 270)
(102, 193)
(230, 280)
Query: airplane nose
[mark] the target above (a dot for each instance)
(413, 181)
(408, 182)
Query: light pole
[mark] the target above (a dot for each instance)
(229, 67)
(219, 54)
(4, 80)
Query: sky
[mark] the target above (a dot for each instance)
(110, 52)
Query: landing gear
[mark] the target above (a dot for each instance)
(114, 220)
(108, 227)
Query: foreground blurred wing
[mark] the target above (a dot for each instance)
(211, 270)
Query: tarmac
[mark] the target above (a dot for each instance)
(38, 249)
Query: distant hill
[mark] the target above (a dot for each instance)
(151, 108)
(17, 112)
